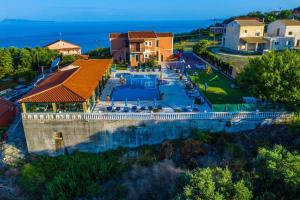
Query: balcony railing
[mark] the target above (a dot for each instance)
(157, 116)
(137, 49)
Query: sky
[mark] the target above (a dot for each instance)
(135, 10)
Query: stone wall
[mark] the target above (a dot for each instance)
(101, 135)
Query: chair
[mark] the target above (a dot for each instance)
(118, 108)
(150, 107)
(126, 109)
(159, 107)
(109, 109)
(134, 108)
(143, 108)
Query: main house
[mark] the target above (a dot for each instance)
(137, 47)
(64, 47)
(245, 34)
(74, 88)
(284, 34)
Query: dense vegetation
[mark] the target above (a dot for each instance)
(24, 63)
(274, 77)
(260, 164)
(268, 17)
(100, 53)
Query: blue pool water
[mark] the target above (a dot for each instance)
(143, 87)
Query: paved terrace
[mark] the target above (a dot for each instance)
(175, 95)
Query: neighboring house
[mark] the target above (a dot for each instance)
(74, 88)
(217, 30)
(8, 112)
(64, 48)
(296, 14)
(284, 34)
(137, 47)
(245, 35)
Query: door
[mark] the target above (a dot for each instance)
(298, 43)
(162, 58)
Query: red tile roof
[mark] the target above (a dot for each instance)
(164, 34)
(73, 84)
(118, 35)
(141, 34)
(7, 112)
(5, 106)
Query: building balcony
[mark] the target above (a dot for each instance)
(137, 49)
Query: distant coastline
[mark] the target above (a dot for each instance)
(24, 21)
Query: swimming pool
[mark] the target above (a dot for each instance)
(142, 87)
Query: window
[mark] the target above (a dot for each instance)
(278, 31)
(257, 34)
(148, 44)
(157, 43)
(137, 58)
(276, 43)
(289, 43)
(147, 56)
(290, 33)
(246, 31)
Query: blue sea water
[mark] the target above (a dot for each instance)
(88, 35)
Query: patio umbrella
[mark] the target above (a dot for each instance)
(112, 102)
(192, 104)
(154, 102)
(138, 102)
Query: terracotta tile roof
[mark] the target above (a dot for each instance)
(249, 22)
(118, 35)
(71, 84)
(141, 34)
(164, 34)
(290, 22)
(5, 106)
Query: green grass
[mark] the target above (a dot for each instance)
(219, 89)
(121, 67)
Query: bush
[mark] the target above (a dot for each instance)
(201, 49)
(68, 59)
(70, 177)
(214, 183)
(100, 53)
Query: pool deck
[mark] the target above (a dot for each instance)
(175, 96)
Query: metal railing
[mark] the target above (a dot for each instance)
(157, 116)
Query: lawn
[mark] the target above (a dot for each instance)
(220, 90)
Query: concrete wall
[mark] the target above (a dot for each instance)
(99, 135)
(232, 36)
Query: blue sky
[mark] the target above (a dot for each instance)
(106, 10)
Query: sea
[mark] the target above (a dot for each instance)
(88, 35)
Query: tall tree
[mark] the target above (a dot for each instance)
(275, 76)
(278, 173)
(6, 64)
(214, 184)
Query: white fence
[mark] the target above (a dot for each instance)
(156, 116)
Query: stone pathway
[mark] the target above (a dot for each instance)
(14, 149)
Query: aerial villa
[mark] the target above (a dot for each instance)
(74, 88)
(64, 47)
(137, 47)
(245, 34)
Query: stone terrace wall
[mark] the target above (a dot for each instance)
(101, 135)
